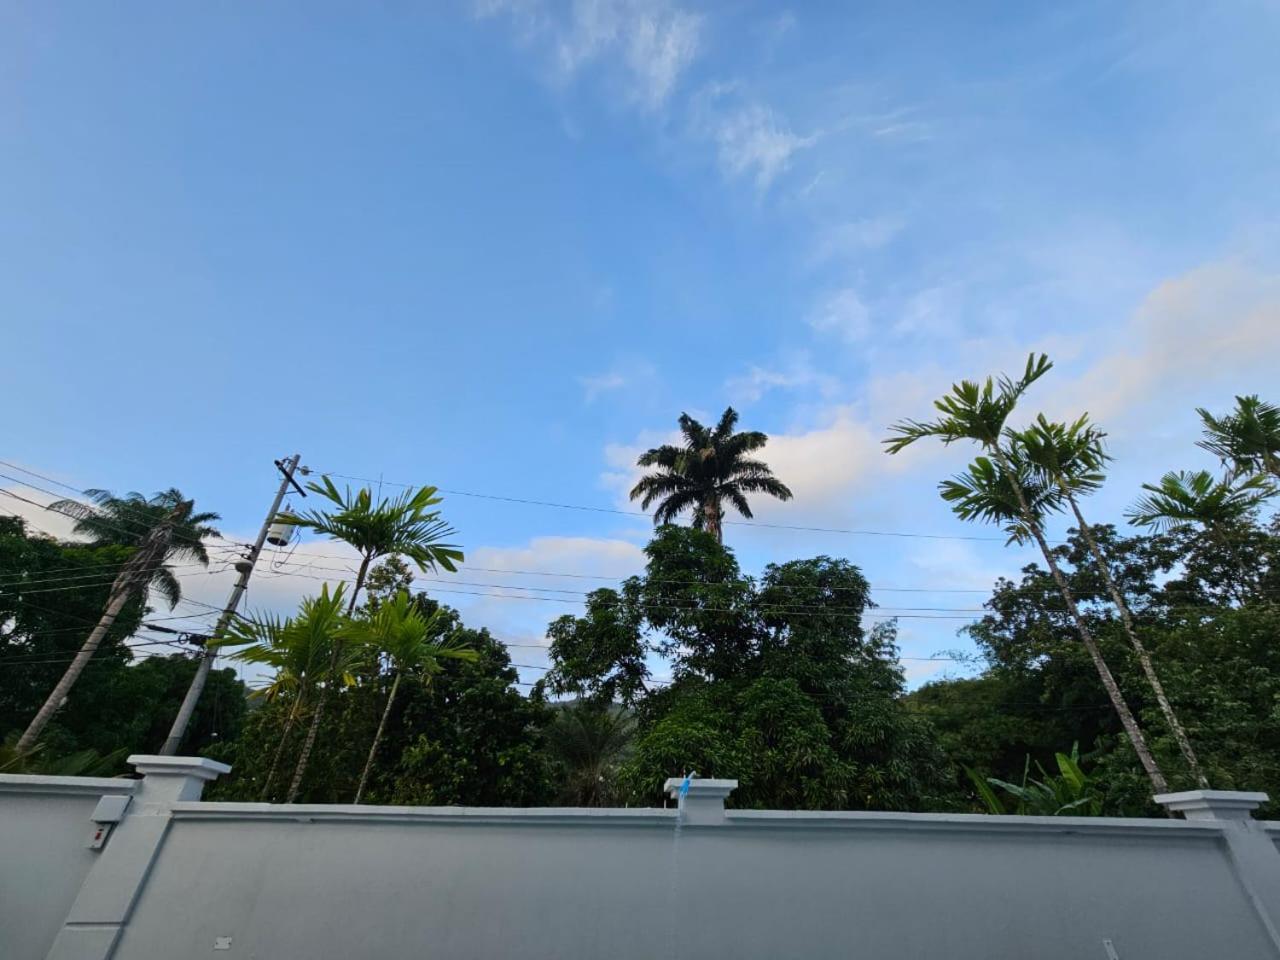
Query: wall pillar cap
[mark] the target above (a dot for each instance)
(200, 768)
(1213, 804)
(700, 789)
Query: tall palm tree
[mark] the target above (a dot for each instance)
(411, 643)
(1184, 497)
(404, 526)
(299, 651)
(1070, 458)
(712, 467)
(162, 528)
(125, 521)
(1247, 440)
(979, 413)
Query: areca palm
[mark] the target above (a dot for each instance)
(980, 413)
(164, 527)
(1247, 440)
(1071, 458)
(711, 468)
(411, 643)
(405, 526)
(1186, 497)
(300, 651)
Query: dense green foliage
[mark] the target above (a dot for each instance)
(774, 681)
(51, 595)
(783, 681)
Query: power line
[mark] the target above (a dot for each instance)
(136, 534)
(641, 513)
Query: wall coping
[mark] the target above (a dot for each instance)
(975, 823)
(789, 820)
(519, 816)
(68, 786)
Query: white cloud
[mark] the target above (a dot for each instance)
(654, 41)
(796, 373)
(1216, 326)
(842, 314)
(752, 140)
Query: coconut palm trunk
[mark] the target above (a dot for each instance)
(134, 573)
(1127, 719)
(377, 738)
(119, 598)
(1139, 648)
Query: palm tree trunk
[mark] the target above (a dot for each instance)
(377, 738)
(1144, 658)
(307, 746)
(119, 597)
(284, 738)
(1127, 719)
(360, 575)
(711, 518)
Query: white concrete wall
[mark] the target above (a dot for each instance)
(44, 828)
(321, 882)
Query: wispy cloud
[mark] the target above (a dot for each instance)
(796, 373)
(842, 314)
(751, 139)
(619, 377)
(654, 41)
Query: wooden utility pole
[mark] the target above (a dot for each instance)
(180, 723)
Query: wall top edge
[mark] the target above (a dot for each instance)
(18, 783)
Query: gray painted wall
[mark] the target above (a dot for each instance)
(338, 882)
(44, 825)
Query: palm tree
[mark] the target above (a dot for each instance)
(404, 526)
(589, 740)
(300, 652)
(160, 529)
(1070, 458)
(125, 521)
(410, 641)
(712, 467)
(1247, 440)
(1185, 497)
(979, 413)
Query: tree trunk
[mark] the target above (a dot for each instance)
(360, 575)
(1144, 658)
(133, 572)
(711, 518)
(284, 738)
(377, 738)
(119, 597)
(307, 746)
(1127, 719)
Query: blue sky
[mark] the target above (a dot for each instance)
(498, 247)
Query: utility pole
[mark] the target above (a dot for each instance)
(180, 723)
(134, 573)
